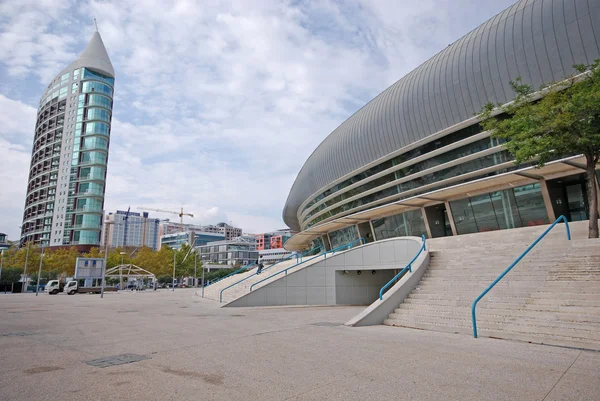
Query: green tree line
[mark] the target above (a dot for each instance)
(61, 262)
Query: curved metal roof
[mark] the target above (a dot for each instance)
(538, 40)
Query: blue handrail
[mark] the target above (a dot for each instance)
(245, 267)
(350, 244)
(408, 267)
(291, 267)
(251, 275)
(563, 218)
(324, 254)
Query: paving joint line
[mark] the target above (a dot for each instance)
(561, 376)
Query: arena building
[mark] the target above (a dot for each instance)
(414, 160)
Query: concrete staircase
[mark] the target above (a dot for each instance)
(552, 296)
(213, 291)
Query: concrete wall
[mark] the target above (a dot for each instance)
(335, 280)
(380, 310)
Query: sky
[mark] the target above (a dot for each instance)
(218, 104)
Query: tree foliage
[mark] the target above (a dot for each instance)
(564, 122)
(62, 261)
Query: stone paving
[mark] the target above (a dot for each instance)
(175, 346)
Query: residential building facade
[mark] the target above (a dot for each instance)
(235, 252)
(131, 229)
(3, 242)
(415, 159)
(229, 232)
(67, 176)
(270, 256)
(177, 239)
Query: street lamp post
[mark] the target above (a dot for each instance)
(203, 279)
(121, 270)
(106, 223)
(25, 268)
(174, 262)
(1, 262)
(37, 287)
(195, 280)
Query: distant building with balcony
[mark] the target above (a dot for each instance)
(198, 238)
(270, 256)
(235, 252)
(224, 229)
(137, 230)
(67, 175)
(3, 242)
(272, 240)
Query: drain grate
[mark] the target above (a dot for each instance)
(116, 360)
(326, 324)
(18, 334)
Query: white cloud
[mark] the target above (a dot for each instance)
(217, 105)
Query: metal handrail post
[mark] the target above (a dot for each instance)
(407, 267)
(474, 305)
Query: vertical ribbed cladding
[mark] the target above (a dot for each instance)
(523, 40)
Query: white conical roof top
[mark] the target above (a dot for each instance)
(94, 56)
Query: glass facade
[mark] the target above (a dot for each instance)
(96, 113)
(96, 128)
(509, 208)
(99, 100)
(410, 223)
(421, 150)
(92, 86)
(343, 236)
(433, 178)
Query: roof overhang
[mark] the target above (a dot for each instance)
(524, 176)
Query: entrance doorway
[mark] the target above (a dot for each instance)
(364, 229)
(569, 197)
(439, 224)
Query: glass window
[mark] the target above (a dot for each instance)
(463, 151)
(464, 220)
(95, 113)
(530, 202)
(428, 147)
(93, 158)
(95, 143)
(450, 172)
(92, 86)
(510, 208)
(99, 100)
(89, 74)
(343, 236)
(65, 77)
(406, 224)
(96, 128)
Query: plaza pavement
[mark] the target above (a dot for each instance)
(198, 351)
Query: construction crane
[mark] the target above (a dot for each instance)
(125, 230)
(181, 213)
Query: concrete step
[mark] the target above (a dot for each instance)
(538, 338)
(512, 291)
(518, 325)
(498, 302)
(506, 315)
(494, 308)
(588, 330)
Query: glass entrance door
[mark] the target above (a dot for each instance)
(577, 201)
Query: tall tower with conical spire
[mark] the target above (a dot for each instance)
(67, 176)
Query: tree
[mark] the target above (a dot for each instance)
(565, 122)
(11, 275)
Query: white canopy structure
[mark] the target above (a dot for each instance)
(130, 271)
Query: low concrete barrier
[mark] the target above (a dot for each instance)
(379, 310)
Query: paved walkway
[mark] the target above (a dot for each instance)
(197, 351)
